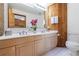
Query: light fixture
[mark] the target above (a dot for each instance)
(35, 5)
(39, 6)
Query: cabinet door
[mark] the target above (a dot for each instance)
(52, 11)
(26, 49)
(53, 42)
(7, 51)
(50, 41)
(1, 18)
(39, 47)
(47, 44)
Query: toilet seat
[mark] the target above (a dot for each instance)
(73, 47)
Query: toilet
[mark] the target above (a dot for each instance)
(73, 44)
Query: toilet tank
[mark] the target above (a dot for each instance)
(73, 37)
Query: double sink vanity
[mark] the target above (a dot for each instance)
(32, 44)
(24, 43)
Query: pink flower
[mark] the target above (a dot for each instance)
(34, 21)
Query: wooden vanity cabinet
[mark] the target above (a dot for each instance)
(28, 46)
(45, 43)
(37, 46)
(10, 51)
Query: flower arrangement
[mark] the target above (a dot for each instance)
(34, 24)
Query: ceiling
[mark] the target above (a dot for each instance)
(45, 5)
(30, 7)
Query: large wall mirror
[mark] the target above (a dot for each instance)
(19, 14)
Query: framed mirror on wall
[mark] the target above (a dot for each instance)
(16, 20)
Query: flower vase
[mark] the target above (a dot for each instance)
(34, 27)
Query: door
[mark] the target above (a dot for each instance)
(47, 44)
(62, 25)
(39, 47)
(7, 51)
(53, 41)
(26, 49)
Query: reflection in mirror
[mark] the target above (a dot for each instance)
(31, 11)
(16, 20)
(20, 20)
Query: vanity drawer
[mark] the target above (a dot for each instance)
(49, 35)
(11, 42)
(37, 37)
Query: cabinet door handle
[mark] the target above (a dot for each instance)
(58, 34)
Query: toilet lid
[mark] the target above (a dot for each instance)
(72, 45)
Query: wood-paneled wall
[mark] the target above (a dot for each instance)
(1, 19)
(62, 26)
(11, 21)
(60, 10)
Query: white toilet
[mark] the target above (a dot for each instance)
(73, 44)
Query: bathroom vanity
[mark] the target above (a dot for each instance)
(28, 45)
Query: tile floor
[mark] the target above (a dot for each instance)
(58, 52)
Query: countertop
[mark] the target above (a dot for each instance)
(28, 34)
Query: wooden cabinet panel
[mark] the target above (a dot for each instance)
(12, 42)
(50, 41)
(7, 51)
(11, 21)
(39, 47)
(53, 42)
(62, 24)
(47, 44)
(37, 37)
(26, 49)
(52, 11)
(1, 19)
